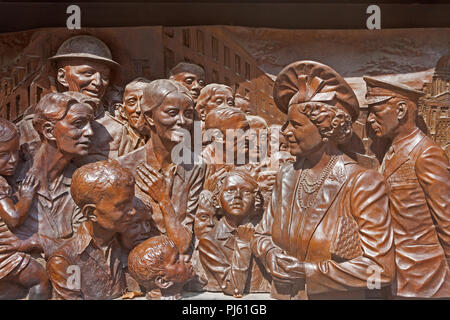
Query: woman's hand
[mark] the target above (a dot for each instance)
(291, 265)
(153, 183)
(284, 267)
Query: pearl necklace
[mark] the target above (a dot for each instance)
(311, 188)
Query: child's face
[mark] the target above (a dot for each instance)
(237, 197)
(9, 156)
(137, 231)
(115, 210)
(177, 267)
(204, 220)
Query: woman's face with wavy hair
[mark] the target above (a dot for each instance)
(309, 125)
(302, 135)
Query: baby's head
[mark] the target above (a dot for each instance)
(104, 191)
(157, 264)
(9, 147)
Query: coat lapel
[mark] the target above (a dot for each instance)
(325, 198)
(401, 155)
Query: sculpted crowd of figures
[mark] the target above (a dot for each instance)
(98, 201)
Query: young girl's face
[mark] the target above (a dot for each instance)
(237, 197)
(9, 156)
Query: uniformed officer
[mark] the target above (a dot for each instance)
(417, 172)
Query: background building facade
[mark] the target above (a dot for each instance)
(434, 107)
(150, 53)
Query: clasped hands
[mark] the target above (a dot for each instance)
(284, 267)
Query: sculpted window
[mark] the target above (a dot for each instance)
(247, 71)
(215, 48)
(226, 56)
(186, 38)
(200, 42)
(169, 59)
(215, 76)
(237, 64)
(17, 106)
(8, 111)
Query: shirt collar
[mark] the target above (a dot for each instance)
(150, 158)
(400, 144)
(86, 239)
(226, 230)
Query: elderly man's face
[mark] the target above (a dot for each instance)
(73, 134)
(194, 82)
(220, 98)
(383, 118)
(171, 117)
(236, 129)
(302, 135)
(88, 77)
(132, 103)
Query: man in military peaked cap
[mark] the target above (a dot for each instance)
(84, 64)
(417, 171)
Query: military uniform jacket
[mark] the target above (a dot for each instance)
(417, 172)
(344, 237)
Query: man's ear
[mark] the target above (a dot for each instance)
(162, 283)
(48, 131)
(61, 77)
(88, 211)
(122, 111)
(402, 110)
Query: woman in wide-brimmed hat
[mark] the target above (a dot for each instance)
(327, 229)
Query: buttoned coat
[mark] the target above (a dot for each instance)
(344, 238)
(417, 172)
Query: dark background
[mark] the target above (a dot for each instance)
(292, 14)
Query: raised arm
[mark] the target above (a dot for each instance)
(14, 215)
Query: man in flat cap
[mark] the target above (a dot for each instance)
(84, 64)
(417, 172)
